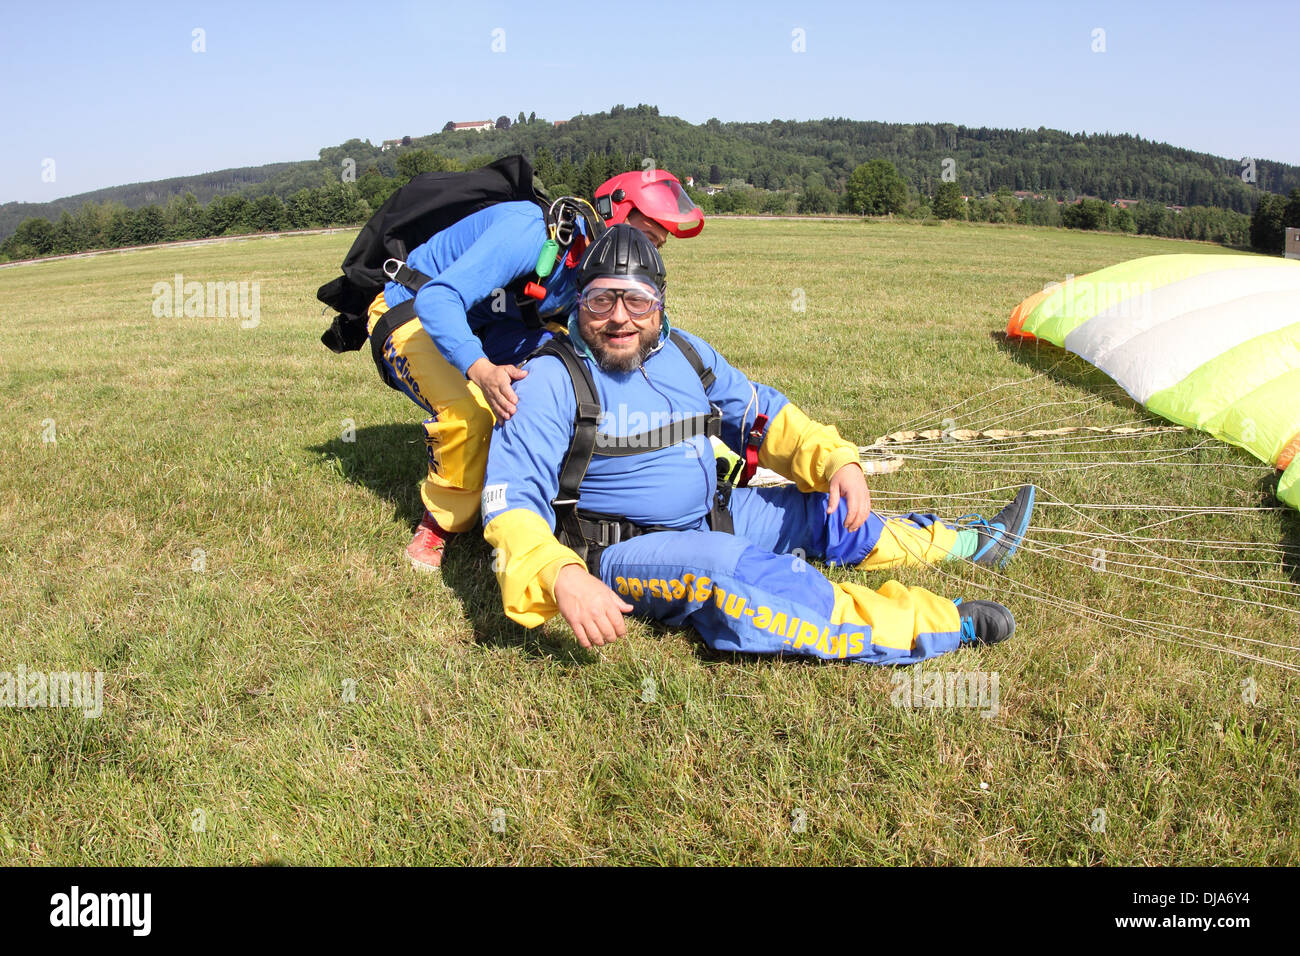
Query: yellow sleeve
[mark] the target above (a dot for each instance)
(526, 558)
(806, 451)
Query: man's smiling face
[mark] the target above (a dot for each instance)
(619, 340)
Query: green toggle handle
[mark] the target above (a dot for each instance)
(546, 259)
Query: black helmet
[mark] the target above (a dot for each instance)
(623, 252)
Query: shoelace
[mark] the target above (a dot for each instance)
(967, 635)
(431, 529)
(992, 532)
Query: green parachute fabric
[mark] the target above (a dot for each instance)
(1208, 341)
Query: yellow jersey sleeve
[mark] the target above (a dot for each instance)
(803, 450)
(527, 557)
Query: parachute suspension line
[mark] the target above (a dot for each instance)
(1014, 466)
(1024, 413)
(1181, 510)
(1187, 510)
(1068, 458)
(1064, 358)
(1167, 565)
(1081, 547)
(1091, 560)
(1186, 568)
(1208, 542)
(942, 446)
(930, 416)
(1150, 629)
(982, 447)
(992, 442)
(1106, 618)
(962, 435)
(1181, 569)
(973, 416)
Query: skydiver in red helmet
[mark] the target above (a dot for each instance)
(458, 432)
(653, 201)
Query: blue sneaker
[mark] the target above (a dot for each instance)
(984, 622)
(999, 538)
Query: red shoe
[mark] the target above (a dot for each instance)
(428, 546)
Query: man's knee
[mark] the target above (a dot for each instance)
(464, 416)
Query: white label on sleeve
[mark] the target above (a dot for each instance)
(494, 498)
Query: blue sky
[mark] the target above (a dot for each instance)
(116, 94)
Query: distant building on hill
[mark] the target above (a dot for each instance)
(1292, 242)
(479, 125)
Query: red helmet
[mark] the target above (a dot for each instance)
(657, 195)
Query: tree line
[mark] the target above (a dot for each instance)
(872, 188)
(777, 156)
(110, 225)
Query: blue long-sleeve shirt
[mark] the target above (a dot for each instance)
(468, 262)
(672, 486)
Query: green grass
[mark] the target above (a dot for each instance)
(224, 688)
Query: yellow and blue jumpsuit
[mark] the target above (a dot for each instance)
(748, 591)
(462, 315)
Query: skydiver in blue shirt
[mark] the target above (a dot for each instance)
(647, 539)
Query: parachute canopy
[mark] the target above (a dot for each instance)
(1208, 341)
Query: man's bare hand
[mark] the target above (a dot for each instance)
(495, 382)
(593, 610)
(850, 484)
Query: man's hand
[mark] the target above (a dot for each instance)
(593, 610)
(850, 484)
(495, 382)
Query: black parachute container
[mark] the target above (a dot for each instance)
(427, 204)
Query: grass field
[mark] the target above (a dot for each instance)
(280, 687)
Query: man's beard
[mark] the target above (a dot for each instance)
(631, 361)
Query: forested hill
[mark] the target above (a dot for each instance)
(776, 155)
(204, 186)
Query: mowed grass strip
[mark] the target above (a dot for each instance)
(219, 527)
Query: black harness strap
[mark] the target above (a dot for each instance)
(389, 323)
(720, 514)
(589, 533)
(404, 275)
(665, 436)
(580, 449)
(707, 378)
(600, 531)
